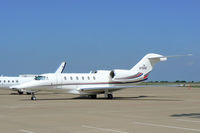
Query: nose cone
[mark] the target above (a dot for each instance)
(24, 85)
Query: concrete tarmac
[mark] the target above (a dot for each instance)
(133, 110)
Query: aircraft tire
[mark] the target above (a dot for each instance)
(28, 93)
(110, 96)
(33, 98)
(20, 92)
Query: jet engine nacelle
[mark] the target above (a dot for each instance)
(119, 73)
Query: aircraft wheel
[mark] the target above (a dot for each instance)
(110, 96)
(33, 98)
(28, 93)
(20, 92)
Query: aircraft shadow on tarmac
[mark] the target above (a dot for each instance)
(142, 98)
(4, 94)
(189, 115)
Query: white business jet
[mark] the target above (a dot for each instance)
(93, 83)
(7, 82)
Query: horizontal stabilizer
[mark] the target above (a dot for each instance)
(178, 56)
(164, 58)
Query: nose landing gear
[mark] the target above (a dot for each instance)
(33, 97)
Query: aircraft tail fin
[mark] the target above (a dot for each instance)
(61, 67)
(146, 64)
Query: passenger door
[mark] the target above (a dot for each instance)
(59, 81)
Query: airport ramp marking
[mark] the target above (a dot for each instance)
(187, 120)
(166, 126)
(26, 131)
(103, 129)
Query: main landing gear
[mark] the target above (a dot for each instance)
(20, 92)
(109, 96)
(28, 93)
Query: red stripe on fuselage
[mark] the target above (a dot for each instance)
(98, 83)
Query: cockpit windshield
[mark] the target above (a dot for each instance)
(41, 78)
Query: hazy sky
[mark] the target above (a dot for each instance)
(36, 35)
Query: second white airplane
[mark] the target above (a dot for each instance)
(98, 82)
(7, 82)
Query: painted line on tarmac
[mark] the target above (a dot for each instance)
(26, 131)
(103, 129)
(166, 126)
(187, 120)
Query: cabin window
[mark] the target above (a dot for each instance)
(77, 78)
(65, 78)
(8, 81)
(0, 81)
(4, 81)
(71, 78)
(94, 77)
(82, 78)
(17, 81)
(88, 78)
(13, 81)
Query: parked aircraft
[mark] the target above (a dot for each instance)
(93, 83)
(7, 82)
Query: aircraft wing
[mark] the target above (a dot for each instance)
(101, 89)
(61, 67)
(95, 90)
